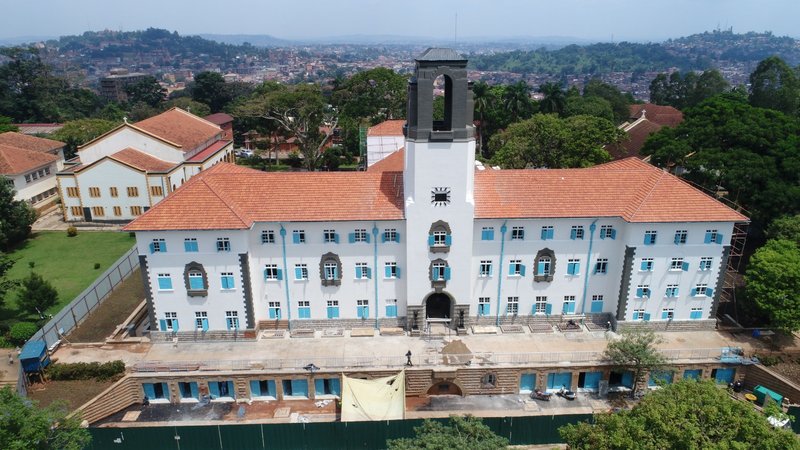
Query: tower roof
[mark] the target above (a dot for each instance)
(440, 54)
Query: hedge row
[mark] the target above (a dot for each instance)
(85, 371)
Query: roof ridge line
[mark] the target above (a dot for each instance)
(650, 192)
(247, 222)
(187, 113)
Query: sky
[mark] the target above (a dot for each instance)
(596, 20)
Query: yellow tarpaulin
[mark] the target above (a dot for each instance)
(377, 399)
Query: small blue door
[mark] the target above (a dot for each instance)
(149, 390)
(299, 388)
(724, 375)
(558, 380)
(592, 380)
(627, 379)
(213, 389)
(527, 382)
(255, 388)
(692, 374)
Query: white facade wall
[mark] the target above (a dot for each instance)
(68, 202)
(128, 137)
(105, 175)
(25, 191)
(379, 147)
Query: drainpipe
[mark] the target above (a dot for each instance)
(503, 230)
(286, 278)
(592, 227)
(375, 265)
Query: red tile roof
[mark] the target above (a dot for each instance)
(180, 127)
(232, 197)
(34, 143)
(15, 160)
(666, 116)
(142, 161)
(219, 118)
(637, 132)
(392, 163)
(387, 128)
(208, 151)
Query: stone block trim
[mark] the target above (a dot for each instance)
(198, 335)
(244, 268)
(669, 325)
(148, 291)
(625, 284)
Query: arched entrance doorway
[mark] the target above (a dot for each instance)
(445, 388)
(437, 306)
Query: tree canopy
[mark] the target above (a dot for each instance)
(16, 218)
(147, 91)
(687, 90)
(209, 88)
(78, 132)
(36, 294)
(785, 227)
(775, 85)
(24, 426)
(687, 414)
(373, 95)
(460, 433)
(772, 280)
(636, 350)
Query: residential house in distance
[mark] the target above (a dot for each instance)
(384, 139)
(439, 242)
(113, 86)
(645, 119)
(223, 121)
(123, 173)
(30, 164)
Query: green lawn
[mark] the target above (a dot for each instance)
(67, 262)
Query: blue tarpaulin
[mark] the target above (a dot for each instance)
(34, 356)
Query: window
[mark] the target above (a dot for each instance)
(576, 232)
(515, 268)
(304, 309)
(647, 265)
(638, 314)
(72, 192)
(543, 266)
(333, 309)
(512, 308)
(696, 314)
(547, 232)
(274, 310)
(391, 307)
(391, 270)
(362, 309)
(300, 272)
(76, 211)
(680, 237)
(573, 267)
(157, 191)
(133, 191)
(440, 238)
(483, 306)
(170, 321)
(672, 291)
(487, 234)
(136, 210)
(164, 282)
(359, 235)
(28, 178)
(569, 305)
(607, 232)
(391, 235)
(678, 264)
(117, 211)
(713, 237)
(440, 271)
(702, 290)
(226, 279)
(223, 245)
(190, 245)
(540, 305)
(158, 246)
(298, 236)
(98, 211)
(112, 191)
(667, 314)
(650, 237)
(597, 304)
(268, 237)
(201, 320)
(196, 281)
(643, 291)
(331, 269)
(330, 237)
(705, 263)
(517, 233)
(232, 320)
(485, 269)
(94, 192)
(601, 266)
(271, 272)
(362, 271)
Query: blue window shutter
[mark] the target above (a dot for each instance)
(430, 240)
(272, 313)
(602, 233)
(685, 266)
(228, 324)
(205, 324)
(265, 274)
(693, 292)
(646, 317)
(319, 386)
(296, 238)
(511, 269)
(149, 391)
(330, 312)
(544, 234)
(298, 273)
(280, 274)
(664, 315)
(397, 272)
(231, 392)
(335, 273)
(351, 238)
(164, 247)
(709, 292)
(639, 292)
(677, 238)
(577, 268)
(491, 269)
(369, 272)
(358, 273)
(334, 383)
(719, 238)
(612, 233)
(540, 269)
(187, 246)
(707, 239)
(396, 239)
(175, 326)
(387, 272)
(597, 307)
(446, 273)
(644, 265)
(383, 237)
(522, 270)
(152, 248)
(367, 236)
(255, 388)
(163, 324)
(335, 238)
(213, 388)
(448, 240)
(596, 266)
(573, 234)
(548, 309)
(550, 233)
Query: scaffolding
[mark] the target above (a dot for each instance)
(732, 278)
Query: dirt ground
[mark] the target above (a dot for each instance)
(790, 367)
(76, 393)
(104, 320)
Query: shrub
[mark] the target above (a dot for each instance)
(22, 331)
(769, 360)
(4, 343)
(72, 231)
(96, 266)
(85, 371)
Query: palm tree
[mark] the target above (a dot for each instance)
(517, 100)
(483, 99)
(554, 99)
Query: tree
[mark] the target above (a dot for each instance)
(36, 294)
(5, 284)
(775, 85)
(686, 91)
(460, 433)
(16, 218)
(482, 101)
(25, 426)
(619, 102)
(588, 106)
(554, 99)
(547, 141)
(187, 104)
(772, 278)
(375, 95)
(147, 91)
(78, 132)
(5, 124)
(517, 101)
(785, 227)
(209, 88)
(684, 415)
(635, 349)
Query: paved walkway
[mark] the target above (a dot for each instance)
(52, 220)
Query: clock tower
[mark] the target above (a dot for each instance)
(438, 183)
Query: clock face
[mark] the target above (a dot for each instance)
(440, 196)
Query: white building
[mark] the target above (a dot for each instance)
(441, 241)
(384, 139)
(30, 164)
(123, 173)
